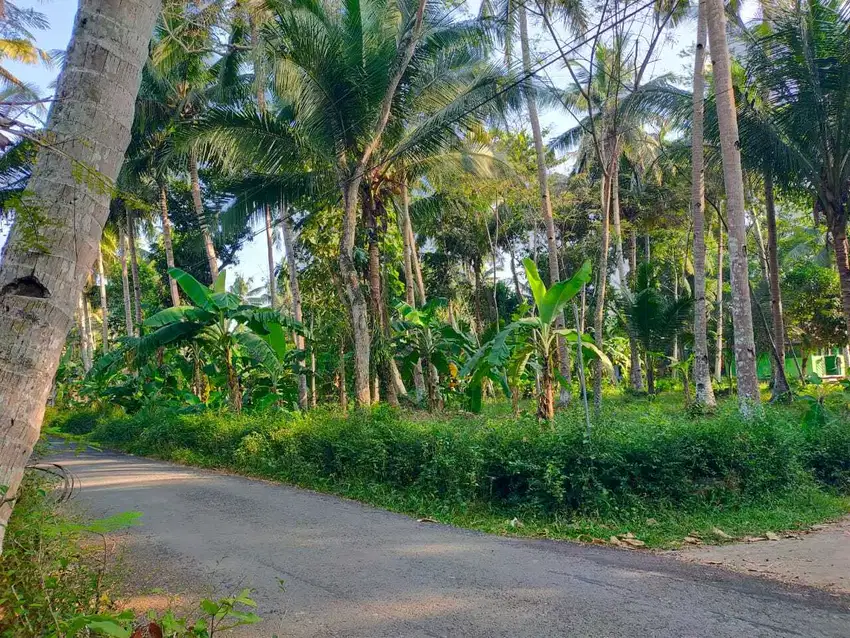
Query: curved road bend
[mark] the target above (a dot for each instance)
(353, 571)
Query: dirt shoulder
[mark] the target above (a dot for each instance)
(818, 558)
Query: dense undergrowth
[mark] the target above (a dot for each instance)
(643, 461)
(58, 581)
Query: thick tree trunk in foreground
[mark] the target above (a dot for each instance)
(134, 271)
(167, 243)
(39, 286)
(104, 308)
(704, 393)
(295, 291)
(780, 381)
(125, 286)
(742, 314)
(354, 296)
(209, 247)
(545, 199)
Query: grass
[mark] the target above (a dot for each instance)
(648, 469)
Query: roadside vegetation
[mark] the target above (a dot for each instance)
(60, 578)
(646, 468)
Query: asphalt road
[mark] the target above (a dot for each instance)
(350, 570)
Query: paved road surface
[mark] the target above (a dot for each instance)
(356, 571)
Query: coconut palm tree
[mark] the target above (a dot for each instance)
(730, 144)
(704, 392)
(798, 90)
(39, 284)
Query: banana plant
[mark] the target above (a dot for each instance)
(222, 324)
(423, 337)
(505, 358)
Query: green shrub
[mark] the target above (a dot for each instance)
(639, 452)
(81, 420)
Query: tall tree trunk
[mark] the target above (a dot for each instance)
(476, 274)
(134, 271)
(209, 247)
(780, 381)
(718, 352)
(82, 326)
(295, 292)
(87, 315)
(545, 199)
(125, 285)
(354, 294)
(167, 243)
(514, 275)
(104, 308)
(39, 285)
(842, 260)
(675, 275)
(314, 399)
(371, 211)
(742, 314)
(270, 250)
(635, 374)
(417, 266)
(601, 283)
(409, 283)
(704, 392)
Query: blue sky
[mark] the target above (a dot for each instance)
(252, 257)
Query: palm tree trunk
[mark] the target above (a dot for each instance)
(601, 282)
(409, 283)
(839, 238)
(209, 247)
(270, 249)
(514, 275)
(370, 215)
(742, 315)
(167, 243)
(635, 374)
(82, 326)
(704, 392)
(104, 308)
(356, 301)
(125, 285)
(134, 270)
(314, 400)
(718, 352)
(39, 285)
(417, 266)
(780, 381)
(295, 292)
(479, 321)
(675, 276)
(545, 199)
